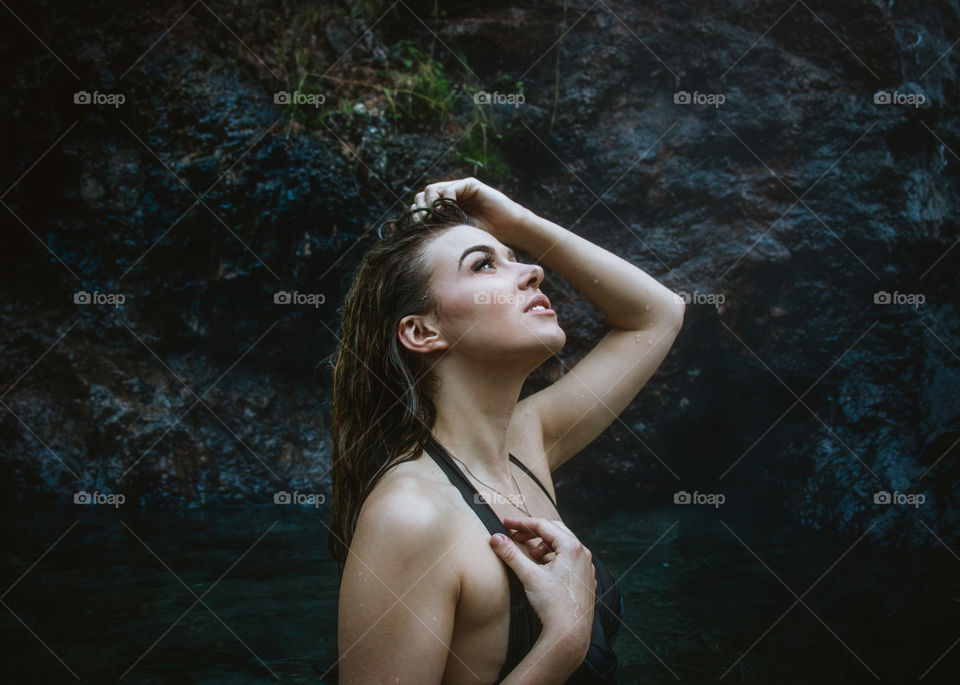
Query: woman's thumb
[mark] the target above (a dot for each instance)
(511, 554)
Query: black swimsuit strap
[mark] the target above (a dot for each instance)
(486, 513)
(535, 479)
(525, 625)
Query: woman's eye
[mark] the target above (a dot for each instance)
(485, 260)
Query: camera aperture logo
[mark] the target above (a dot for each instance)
(714, 499)
(82, 97)
(313, 499)
(115, 300)
(282, 97)
(682, 97)
(284, 297)
(482, 97)
(97, 497)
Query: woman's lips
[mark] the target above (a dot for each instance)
(541, 311)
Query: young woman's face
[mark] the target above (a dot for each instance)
(483, 295)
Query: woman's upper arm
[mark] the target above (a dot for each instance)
(399, 593)
(580, 405)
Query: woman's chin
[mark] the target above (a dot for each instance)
(554, 340)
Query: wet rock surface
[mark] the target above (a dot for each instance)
(800, 214)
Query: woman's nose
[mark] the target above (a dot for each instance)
(535, 277)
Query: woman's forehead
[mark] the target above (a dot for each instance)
(449, 246)
(459, 234)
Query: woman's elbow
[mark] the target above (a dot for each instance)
(673, 313)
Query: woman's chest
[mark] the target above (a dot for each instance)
(482, 624)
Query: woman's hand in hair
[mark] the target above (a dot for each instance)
(489, 209)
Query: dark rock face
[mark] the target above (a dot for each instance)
(794, 172)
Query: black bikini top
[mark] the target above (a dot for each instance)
(600, 664)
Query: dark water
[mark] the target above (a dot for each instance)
(708, 599)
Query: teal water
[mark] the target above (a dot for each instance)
(706, 598)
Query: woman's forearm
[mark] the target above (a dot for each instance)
(628, 297)
(551, 661)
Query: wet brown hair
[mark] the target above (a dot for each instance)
(382, 407)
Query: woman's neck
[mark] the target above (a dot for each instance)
(474, 409)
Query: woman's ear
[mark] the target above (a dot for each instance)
(419, 334)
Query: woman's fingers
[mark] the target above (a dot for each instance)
(430, 194)
(540, 551)
(452, 189)
(417, 216)
(548, 530)
(535, 546)
(517, 560)
(455, 188)
(528, 534)
(523, 535)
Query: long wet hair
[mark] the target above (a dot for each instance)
(382, 392)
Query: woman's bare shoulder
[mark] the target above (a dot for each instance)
(396, 562)
(408, 495)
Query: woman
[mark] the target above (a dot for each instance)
(455, 564)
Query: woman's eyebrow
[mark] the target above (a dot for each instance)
(486, 249)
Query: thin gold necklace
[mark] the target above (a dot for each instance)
(521, 507)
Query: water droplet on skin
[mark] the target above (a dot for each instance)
(646, 306)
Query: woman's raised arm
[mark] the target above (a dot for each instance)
(645, 318)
